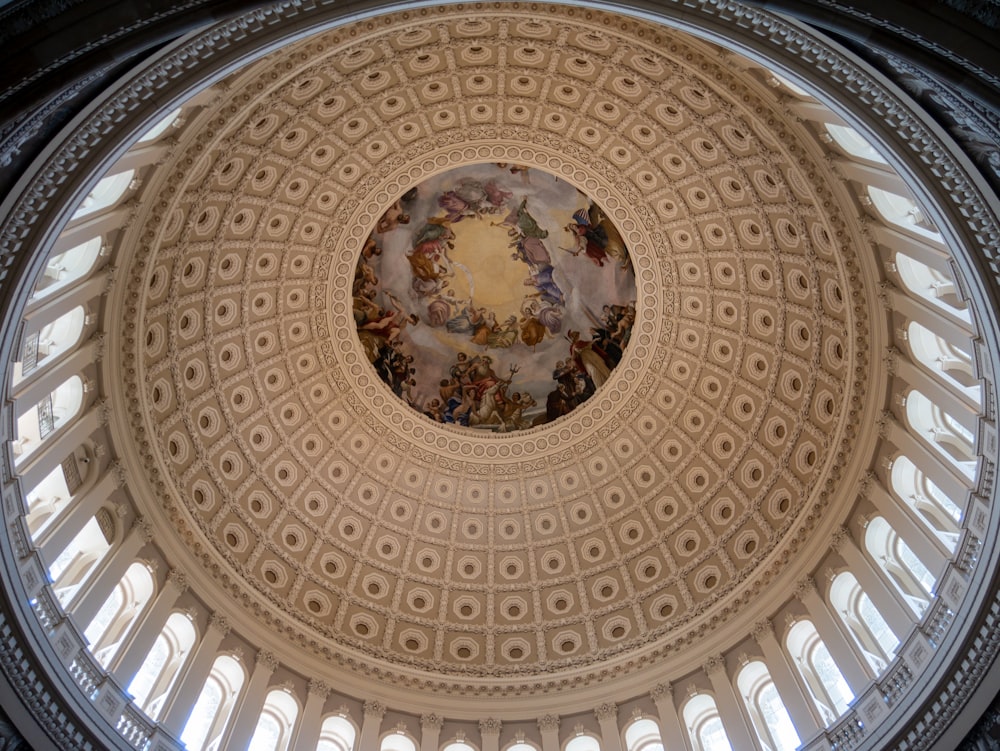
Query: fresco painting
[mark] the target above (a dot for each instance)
(494, 297)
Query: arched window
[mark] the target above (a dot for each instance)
(45, 345)
(160, 128)
(336, 734)
(397, 741)
(903, 212)
(767, 712)
(819, 672)
(64, 268)
(45, 418)
(931, 285)
(107, 192)
(935, 509)
(151, 685)
(521, 746)
(458, 746)
(583, 743)
(643, 735)
(276, 722)
(78, 560)
(47, 499)
(910, 576)
(119, 613)
(863, 620)
(952, 439)
(704, 726)
(214, 705)
(945, 359)
(854, 143)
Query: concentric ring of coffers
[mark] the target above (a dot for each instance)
(641, 514)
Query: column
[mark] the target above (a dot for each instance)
(243, 723)
(90, 598)
(64, 528)
(728, 704)
(855, 671)
(800, 708)
(926, 545)
(371, 727)
(130, 658)
(196, 672)
(671, 730)
(490, 731)
(311, 720)
(430, 731)
(607, 718)
(885, 599)
(549, 728)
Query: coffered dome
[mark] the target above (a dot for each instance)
(453, 372)
(638, 524)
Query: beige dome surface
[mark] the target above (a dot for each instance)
(367, 534)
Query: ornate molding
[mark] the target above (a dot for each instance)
(606, 711)
(548, 723)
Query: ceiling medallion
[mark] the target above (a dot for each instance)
(495, 297)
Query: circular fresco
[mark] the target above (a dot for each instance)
(495, 297)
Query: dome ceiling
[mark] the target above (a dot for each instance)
(329, 509)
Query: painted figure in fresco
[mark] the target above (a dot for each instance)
(596, 237)
(589, 359)
(471, 198)
(549, 292)
(590, 240)
(392, 218)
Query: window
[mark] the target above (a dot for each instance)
(933, 507)
(160, 128)
(64, 268)
(863, 620)
(151, 685)
(945, 359)
(521, 746)
(704, 725)
(931, 285)
(75, 564)
(397, 742)
(214, 705)
(768, 715)
(819, 672)
(903, 212)
(948, 436)
(336, 734)
(42, 420)
(854, 143)
(47, 499)
(911, 578)
(276, 722)
(458, 746)
(583, 743)
(43, 346)
(643, 735)
(119, 612)
(106, 193)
